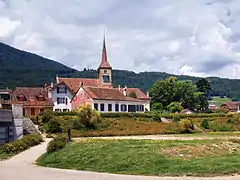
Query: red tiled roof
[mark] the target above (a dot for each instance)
(231, 105)
(140, 95)
(31, 93)
(74, 83)
(108, 94)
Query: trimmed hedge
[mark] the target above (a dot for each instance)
(22, 144)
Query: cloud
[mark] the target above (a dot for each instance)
(191, 37)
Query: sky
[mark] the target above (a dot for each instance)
(185, 37)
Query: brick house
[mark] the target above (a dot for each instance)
(101, 94)
(33, 100)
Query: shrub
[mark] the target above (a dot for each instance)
(176, 118)
(90, 118)
(186, 126)
(157, 117)
(22, 144)
(49, 136)
(57, 144)
(53, 126)
(174, 107)
(47, 116)
(205, 124)
(157, 107)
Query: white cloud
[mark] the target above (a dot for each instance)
(191, 37)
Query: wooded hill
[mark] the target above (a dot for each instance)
(20, 68)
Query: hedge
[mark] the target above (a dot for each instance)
(21, 144)
(57, 143)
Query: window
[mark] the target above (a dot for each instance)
(58, 110)
(5, 97)
(62, 90)
(40, 98)
(96, 106)
(106, 78)
(123, 107)
(131, 108)
(65, 110)
(110, 107)
(32, 112)
(41, 110)
(61, 100)
(102, 107)
(116, 107)
(105, 71)
(21, 98)
(137, 108)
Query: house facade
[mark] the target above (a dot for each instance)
(230, 106)
(100, 93)
(5, 99)
(33, 100)
(61, 95)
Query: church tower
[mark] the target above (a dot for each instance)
(105, 69)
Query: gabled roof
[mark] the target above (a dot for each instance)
(104, 62)
(62, 83)
(108, 94)
(231, 105)
(31, 93)
(140, 95)
(75, 83)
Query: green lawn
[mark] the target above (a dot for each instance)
(149, 157)
(219, 101)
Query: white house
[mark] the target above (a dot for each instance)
(61, 96)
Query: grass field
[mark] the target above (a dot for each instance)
(149, 157)
(3, 155)
(219, 101)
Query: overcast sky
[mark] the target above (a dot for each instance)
(189, 37)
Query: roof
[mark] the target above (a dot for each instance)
(62, 83)
(75, 83)
(108, 94)
(231, 105)
(5, 91)
(212, 107)
(140, 95)
(104, 62)
(186, 110)
(31, 93)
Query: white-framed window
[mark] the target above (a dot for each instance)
(62, 90)
(61, 100)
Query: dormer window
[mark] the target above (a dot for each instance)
(21, 97)
(40, 98)
(105, 71)
(62, 90)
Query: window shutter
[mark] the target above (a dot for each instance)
(65, 90)
(58, 100)
(57, 89)
(66, 101)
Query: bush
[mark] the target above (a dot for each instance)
(157, 107)
(186, 126)
(157, 117)
(89, 118)
(22, 144)
(53, 126)
(174, 107)
(205, 124)
(176, 118)
(57, 144)
(47, 116)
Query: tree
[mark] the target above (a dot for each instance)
(132, 94)
(203, 85)
(156, 107)
(174, 107)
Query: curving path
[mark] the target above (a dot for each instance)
(21, 167)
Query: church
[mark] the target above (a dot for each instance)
(71, 93)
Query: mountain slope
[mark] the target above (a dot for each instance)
(20, 68)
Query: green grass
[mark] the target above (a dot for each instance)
(146, 157)
(4, 155)
(219, 101)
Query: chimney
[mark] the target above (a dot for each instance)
(119, 87)
(125, 91)
(57, 80)
(80, 84)
(148, 94)
(51, 85)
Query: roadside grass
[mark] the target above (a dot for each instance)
(149, 157)
(3, 155)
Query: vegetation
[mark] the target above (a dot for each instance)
(19, 145)
(53, 126)
(149, 157)
(218, 101)
(36, 71)
(56, 144)
(171, 92)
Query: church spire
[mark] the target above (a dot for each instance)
(104, 62)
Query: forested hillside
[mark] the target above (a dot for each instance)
(20, 68)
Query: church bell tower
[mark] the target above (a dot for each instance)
(105, 69)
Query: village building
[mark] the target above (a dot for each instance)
(34, 100)
(100, 94)
(230, 106)
(5, 99)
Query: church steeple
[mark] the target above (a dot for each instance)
(104, 62)
(105, 69)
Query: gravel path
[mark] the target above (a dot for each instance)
(21, 167)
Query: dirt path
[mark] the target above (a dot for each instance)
(21, 167)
